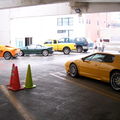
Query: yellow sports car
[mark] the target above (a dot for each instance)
(100, 66)
(8, 52)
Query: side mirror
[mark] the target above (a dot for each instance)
(83, 59)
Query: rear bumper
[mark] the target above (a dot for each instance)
(16, 53)
(51, 52)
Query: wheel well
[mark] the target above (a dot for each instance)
(45, 49)
(6, 52)
(73, 63)
(22, 52)
(115, 70)
(66, 47)
(78, 46)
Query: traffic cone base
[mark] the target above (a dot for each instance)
(11, 88)
(33, 86)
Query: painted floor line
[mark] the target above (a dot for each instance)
(63, 74)
(16, 103)
(100, 91)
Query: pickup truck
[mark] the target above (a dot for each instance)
(61, 46)
(81, 43)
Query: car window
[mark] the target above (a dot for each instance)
(31, 47)
(61, 41)
(88, 58)
(108, 58)
(38, 46)
(55, 41)
(82, 39)
(98, 57)
(49, 42)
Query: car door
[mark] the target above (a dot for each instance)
(106, 67)
(90, 66)
(1, 51)
(39, 49)
(55, 45)
(30, 49)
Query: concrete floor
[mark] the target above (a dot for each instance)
(57, 96)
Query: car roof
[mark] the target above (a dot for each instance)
(116, 54)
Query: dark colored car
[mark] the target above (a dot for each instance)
(36, 49)
(81, 43)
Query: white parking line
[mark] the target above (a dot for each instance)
(16, 103)
(97, 90)
(61, 73)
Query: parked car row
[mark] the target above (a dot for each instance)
(64, 45)
(9, 52)
(80, 44)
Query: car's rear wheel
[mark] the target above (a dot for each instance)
(66, 51)
(45, 53)
(79, 49)
(73, 70)
(7, 55)
(115, 80)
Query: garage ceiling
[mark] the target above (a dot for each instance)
(81, 6)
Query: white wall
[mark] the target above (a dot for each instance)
(18, 23)
(4, 27)
(38, 22)
(39, 28)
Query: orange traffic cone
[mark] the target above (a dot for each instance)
(15, 82)
(12, 73)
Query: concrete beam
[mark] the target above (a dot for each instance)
(21, 3)
(84, 7)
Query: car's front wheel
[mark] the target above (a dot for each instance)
(21, 53)
(66, 51)
(45, 53)
(73, 70)
(7, 55)
(115, 80)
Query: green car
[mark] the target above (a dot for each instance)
(36, 49)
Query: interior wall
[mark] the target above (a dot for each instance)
(5, 27)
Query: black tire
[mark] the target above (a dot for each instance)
(73, 70)
(66, 50)
(85, 51)
(7, 55)
(21, 53)
(115, 80)
(45, 53)
(79, 49)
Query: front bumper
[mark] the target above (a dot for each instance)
(85, 47)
